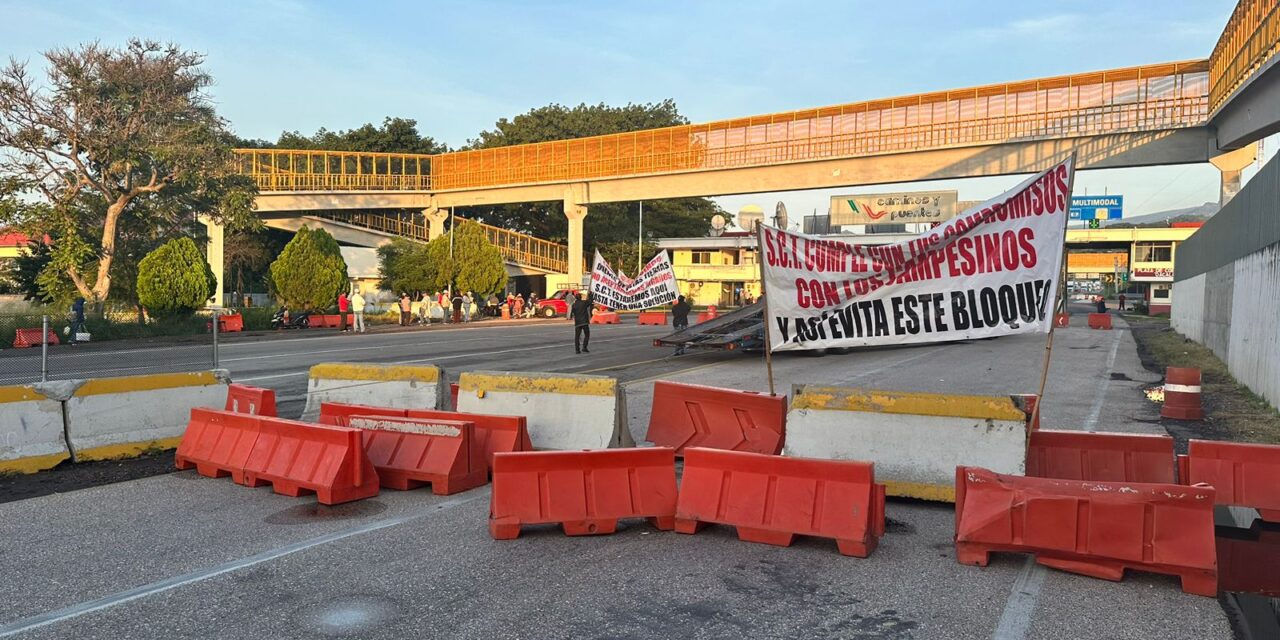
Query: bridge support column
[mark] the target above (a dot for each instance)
(214, 254)
(435, 222)
(1232, 164)
(576, 213)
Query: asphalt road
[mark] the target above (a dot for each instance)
(179, 555)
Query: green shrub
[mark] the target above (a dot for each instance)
(310, 272)
(175, 279)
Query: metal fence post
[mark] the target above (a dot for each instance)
(215, 338)
(44, 349)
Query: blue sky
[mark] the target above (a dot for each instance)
(457, 67)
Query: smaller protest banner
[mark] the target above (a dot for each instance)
(653, 287)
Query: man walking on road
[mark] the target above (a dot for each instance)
(406, 307)
(77, 320)
(467, 299)
(344, 306)
(1122, 302)
(581, 314)
(357, 307)
(680, 315)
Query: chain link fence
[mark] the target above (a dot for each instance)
(37, 348)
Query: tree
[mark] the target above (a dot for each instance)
(247, 254)
(113, 134)
(396, 135)
(605, 223)
(480, 267)
(175, 279)
(405, 267)
(310, 272)
(622, 255)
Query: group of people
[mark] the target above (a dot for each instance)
(354, 306)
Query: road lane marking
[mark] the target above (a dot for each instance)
(123, 597)
(1015, 621)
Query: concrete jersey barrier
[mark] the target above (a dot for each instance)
(120, 417)
(563, 411)
(916, 440)
(31, 430)
(380, 385)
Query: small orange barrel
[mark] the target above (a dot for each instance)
(1182, 394)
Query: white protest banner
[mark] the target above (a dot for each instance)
(993, 270)
(655, 286)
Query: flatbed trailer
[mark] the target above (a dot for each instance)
(740, 330)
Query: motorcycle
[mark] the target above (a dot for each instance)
(285, 320)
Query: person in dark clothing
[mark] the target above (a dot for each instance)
(457, 306)
(581, 314)
(77, 319)
(1102, 305)
(680, 314)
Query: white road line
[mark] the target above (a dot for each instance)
(76, 610)
(434, 359)
(1015, 620)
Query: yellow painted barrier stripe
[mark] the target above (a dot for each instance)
(20, 394)
(32, 464)
(375, 372)
(923, 491)
(126, 449)
(103, 386)
(482, 382)
(906, 402)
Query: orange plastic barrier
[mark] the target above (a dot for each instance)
(771, 498)
(217, 443)
(690, 415)
(1245, 475)
(230, 323)
(586, 492)
(339, 413)
(1104, 457)
(254, 400)
(1099, 321)
(411, 452)
(23, 338)
(1182, 394)
(1096, 529)
(1062, 320)
(652, 317)
(494, 434)
(297, 457)
(606, 317)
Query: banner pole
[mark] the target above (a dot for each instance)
(1061, 296)
(764, 294)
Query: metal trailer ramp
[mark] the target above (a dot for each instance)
(740, 330)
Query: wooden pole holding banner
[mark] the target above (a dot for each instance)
(1062, 292)
(764, 294)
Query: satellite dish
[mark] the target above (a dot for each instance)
(780, 216)
(717, 225)
(749, 216)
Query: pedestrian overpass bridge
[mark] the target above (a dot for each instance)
(1208, 110)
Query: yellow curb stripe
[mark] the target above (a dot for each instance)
(20, 394)
(923, 491)
(127, 384)
(126, 449)
(375, 372)
(905, 402)
(32, 464)
(482, 382)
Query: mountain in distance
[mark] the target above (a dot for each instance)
(1198, 213)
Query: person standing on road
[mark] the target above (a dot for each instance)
(344, 305)
(77, 320)
(457, 307)
(466, 306)
(406, 306)
(1122, 302)
(680, 315)
(357, 308)
(581, 315)
(1102, 305)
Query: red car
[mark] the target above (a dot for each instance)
(557, 304)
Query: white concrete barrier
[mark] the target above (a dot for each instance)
(122, 417)
(31, 430)
(916, 440)
(563, 411)
(379, 385)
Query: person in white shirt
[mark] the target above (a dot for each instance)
(357, 308)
